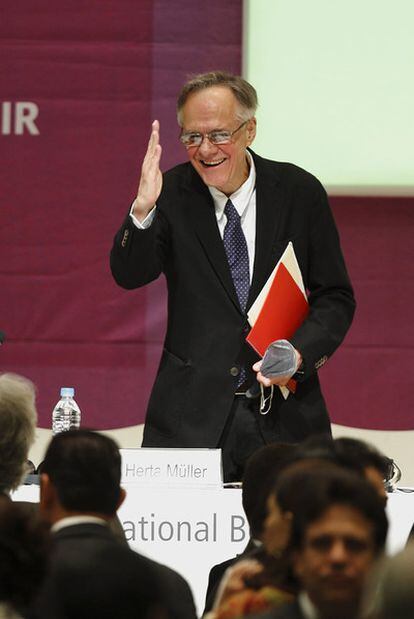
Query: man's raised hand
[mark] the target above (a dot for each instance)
(150, 183)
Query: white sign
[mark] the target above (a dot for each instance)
(189, 468)
(188, 530)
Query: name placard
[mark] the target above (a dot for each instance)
(173, 467)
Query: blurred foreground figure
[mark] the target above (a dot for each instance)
(24, 544)
(18, 419)
(262, 470)
(391, 592)
(338, 531)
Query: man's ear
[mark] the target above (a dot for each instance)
(122, 495)
(251, 130)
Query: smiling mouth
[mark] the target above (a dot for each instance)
(211, 164)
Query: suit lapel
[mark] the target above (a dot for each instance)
(203, 218)
(269, 206)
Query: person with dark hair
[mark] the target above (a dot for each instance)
(353, 454)
(216, 226)
(84, 471)
(262, 469)
(24, 546)
(91, 574)
(338, 529)
(376, 466)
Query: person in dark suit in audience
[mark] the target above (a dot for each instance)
(91, 574)
(338, 531)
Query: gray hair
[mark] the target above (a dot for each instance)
(244, 92)
(18, 419)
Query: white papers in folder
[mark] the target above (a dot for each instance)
(289, 260)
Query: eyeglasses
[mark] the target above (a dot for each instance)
(218, 136)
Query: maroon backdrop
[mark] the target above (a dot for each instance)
(98, 72)
(369, 382)
(79, 87)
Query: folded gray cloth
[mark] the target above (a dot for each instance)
(279, 359)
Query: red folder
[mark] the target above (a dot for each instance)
(283, 311)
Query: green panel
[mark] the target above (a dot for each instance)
(336, 88)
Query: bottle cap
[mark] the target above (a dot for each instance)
(67, 392)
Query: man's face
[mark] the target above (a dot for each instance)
(222, 166)
(337, 553)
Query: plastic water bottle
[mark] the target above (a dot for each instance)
(66, 414)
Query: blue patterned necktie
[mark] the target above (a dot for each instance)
(237, 255)
(238, 258)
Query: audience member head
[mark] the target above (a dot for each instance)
(352, 454)
(261, 472)
(338, 529)
(23, 555)
(18, 420)
(376, 466)
(281, 505)
(81, 474)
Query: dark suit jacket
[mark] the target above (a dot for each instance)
(205, 340)
(92, 575)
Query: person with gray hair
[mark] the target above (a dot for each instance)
(216, 226)
(18, 419)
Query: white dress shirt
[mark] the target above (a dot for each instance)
(70, 521)
(244, 201)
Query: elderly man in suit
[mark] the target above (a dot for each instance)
(216, 227)
(91, 574)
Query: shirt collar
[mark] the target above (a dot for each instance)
(307, 607)
(241, 197)
(72, 520)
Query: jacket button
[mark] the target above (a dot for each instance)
(234, 371)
